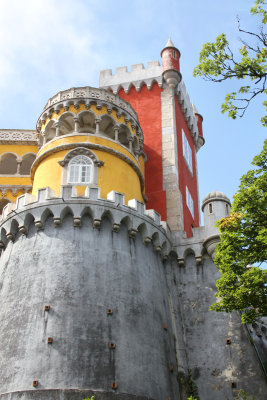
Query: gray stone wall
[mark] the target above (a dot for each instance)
(218, 370)
(80, 272)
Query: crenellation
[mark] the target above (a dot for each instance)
(137, 75)
(137, 67)
(117, 198)
(153, 64)
(121, 70)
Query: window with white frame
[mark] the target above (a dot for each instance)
(189, 202)
(187, 152)
(80, 170)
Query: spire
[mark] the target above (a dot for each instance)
(169, 43)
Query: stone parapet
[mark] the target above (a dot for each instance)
(18, 136)
(85, 95)
(188, 111)
(17, 217)
(138, 76)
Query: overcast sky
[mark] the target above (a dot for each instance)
(51, 45)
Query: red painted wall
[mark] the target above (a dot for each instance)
(199, 124)
(185, 177)
(168, 59)
(147, 104)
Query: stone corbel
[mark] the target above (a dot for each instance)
(115, 227)
(39, 225)
(132, 233)
(97, 223)
(157, 248)
(10, 237)
(57, 221)
(23, 229)
(180, 262)
(76, 221)
(147, 240)
(198, 260)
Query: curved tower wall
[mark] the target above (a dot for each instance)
(83, 257)
(99, 125)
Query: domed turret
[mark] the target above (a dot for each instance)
(215, 205)
(170, 62)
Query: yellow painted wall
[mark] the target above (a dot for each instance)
(116, 174)
(18, 149)
(16, 180)
(87, 139)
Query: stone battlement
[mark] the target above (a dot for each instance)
(138, 76)
(39, 207)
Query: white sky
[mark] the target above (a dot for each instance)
(51, 45)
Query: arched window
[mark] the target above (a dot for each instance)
(8, 164)
(80, 170)
(26, 164)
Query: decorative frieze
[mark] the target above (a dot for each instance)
(18, 136)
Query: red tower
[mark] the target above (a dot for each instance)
(172, 131)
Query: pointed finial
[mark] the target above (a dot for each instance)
(169, 43)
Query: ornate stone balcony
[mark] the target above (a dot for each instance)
(90, 111)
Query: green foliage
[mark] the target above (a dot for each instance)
(242, 395)
(191, 398)
(217, 63)
(243, 247)
(90, 398)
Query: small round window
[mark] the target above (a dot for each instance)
(80, 170)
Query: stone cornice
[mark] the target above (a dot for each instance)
(18, 136)
(91, 146)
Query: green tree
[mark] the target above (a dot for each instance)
(243, 247)
(217, 63)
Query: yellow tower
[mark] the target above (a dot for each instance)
(89, 138)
